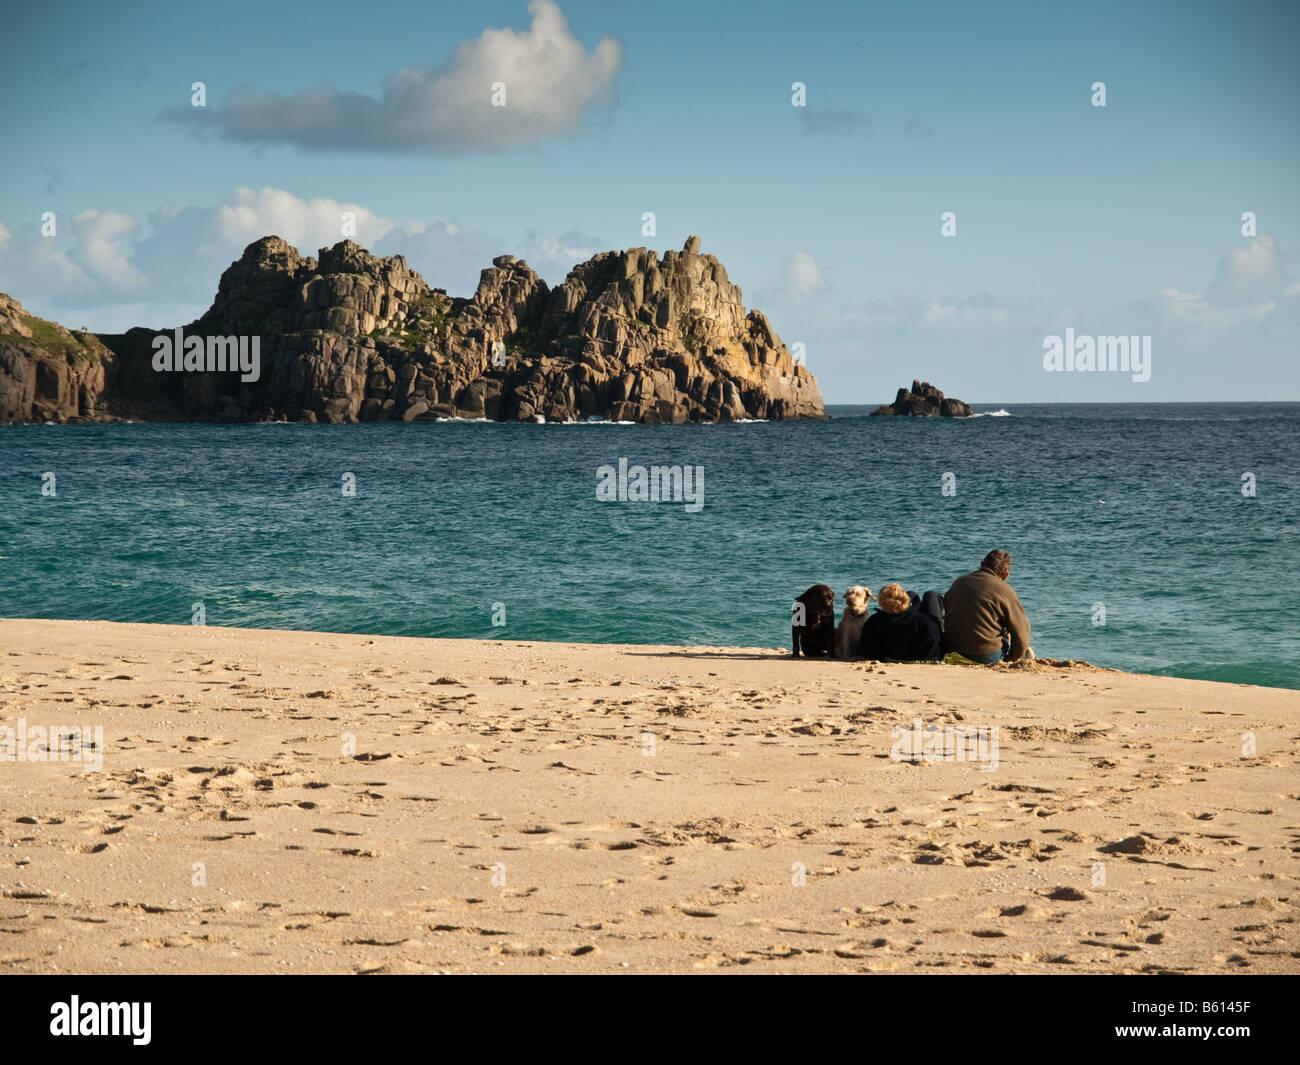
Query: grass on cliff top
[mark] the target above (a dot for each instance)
(48, 338)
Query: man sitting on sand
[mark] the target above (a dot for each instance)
(983, 618)
(904, 629)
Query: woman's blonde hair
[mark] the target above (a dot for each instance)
(893, 599)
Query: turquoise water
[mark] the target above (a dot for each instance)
(450, 518)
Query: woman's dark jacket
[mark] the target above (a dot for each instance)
(910, 636)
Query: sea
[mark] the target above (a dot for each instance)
(1156, 538)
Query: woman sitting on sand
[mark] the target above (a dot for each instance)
(905, 628)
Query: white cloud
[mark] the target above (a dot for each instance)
(1248, 289)
(306, 224)
(550, 82)
(800, 278)
(103, 248)
(34, 264)
(1249, 276)
(803, 275)
(965, 316)
(562, 253)
(452, 256)
(108, 266)
(1191, 309)
(449, 255)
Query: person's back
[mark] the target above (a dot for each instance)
(898, 632)
(980, 607)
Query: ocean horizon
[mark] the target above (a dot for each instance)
(1154, 538)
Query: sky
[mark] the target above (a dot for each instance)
(1117, 220)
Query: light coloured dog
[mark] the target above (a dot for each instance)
(849, 631)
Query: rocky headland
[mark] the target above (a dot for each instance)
(350, 337)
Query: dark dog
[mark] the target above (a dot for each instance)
(812, 622)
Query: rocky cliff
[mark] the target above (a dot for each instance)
(628, 336)
(923, 400)
(48, 372)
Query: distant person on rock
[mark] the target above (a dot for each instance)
(904, 629)
(983, 618)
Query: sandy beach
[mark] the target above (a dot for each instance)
(303, 802)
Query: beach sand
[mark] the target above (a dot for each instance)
(561, 808)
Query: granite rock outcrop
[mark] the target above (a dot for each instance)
(349, 336)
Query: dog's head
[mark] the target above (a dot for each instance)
(856, 598)
(819, 597)
(819, 604)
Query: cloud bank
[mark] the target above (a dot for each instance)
(550, 81)
(111, 271)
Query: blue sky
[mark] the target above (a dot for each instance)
(1123, 219)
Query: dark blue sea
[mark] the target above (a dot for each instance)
(1133, 543)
